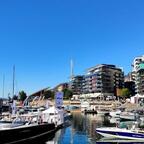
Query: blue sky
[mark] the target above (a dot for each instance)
(41, 37)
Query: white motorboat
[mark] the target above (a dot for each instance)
(20, 130)
(114, 120)
(115, 114)
(53, 115)
(105, 140)
(124, 116)
(102, 111)
(122, 133)
(84, 106)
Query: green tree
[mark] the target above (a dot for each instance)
(14, 97)
(67, 93)
(22, 95)
(49, 94)
(125, 92)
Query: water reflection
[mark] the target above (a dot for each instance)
(81, 131)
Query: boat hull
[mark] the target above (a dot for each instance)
(120, 133)
(99, 112)
(127, 117)
(115, 114)
(24, 133)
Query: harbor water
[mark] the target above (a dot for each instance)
(81, 130)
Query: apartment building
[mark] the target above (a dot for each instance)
(76, 84)
(138, 74)
(103, 78)
(140, 79)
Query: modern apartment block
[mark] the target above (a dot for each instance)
(129, 83)
(76, 84)
(103, 78)
(136, 62)
(138, 74)
(140, 79)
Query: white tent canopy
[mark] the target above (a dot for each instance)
(53, 114)
(91, 95)
(135, 98)
(138, 95)
(95, 95)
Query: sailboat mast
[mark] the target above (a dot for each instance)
(3, 85)
(72, 69)
(13, 80)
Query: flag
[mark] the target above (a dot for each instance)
(59, 99)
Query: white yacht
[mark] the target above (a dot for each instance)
(85, 106)
(115, 113)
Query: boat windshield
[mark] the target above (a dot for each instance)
(128, 125)
(18, 120)
(123, 125)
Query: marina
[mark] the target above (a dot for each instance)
(81, 123)
(82, 131)
(72, 72)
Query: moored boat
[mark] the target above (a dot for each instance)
(25, 132)
(115, 114)
(102, 111)
(85, 105)
(118, 141)
(127, 116)
(25, 127)
(122, 133)
(31, 126)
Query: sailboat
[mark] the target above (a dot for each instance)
(26, 126)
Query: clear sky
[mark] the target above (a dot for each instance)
(41, 37)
